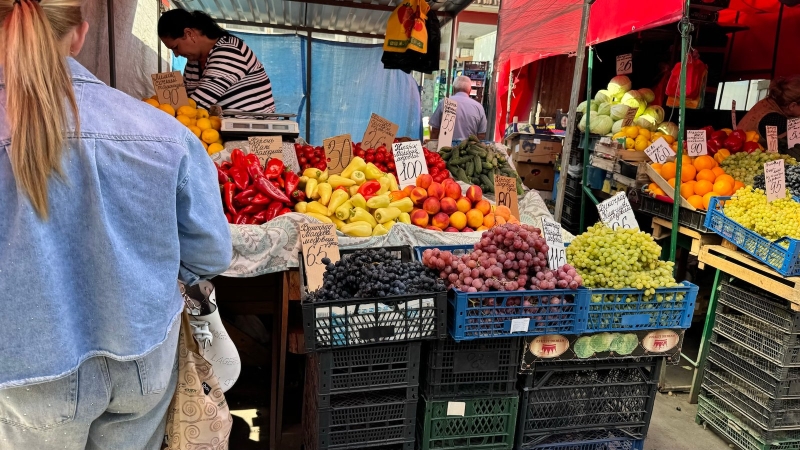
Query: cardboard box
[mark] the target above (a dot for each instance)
(537, 176)
(535, 148)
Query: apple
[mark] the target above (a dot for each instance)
(451, 230)
(467, 230)
(448, 205)
(431, 205)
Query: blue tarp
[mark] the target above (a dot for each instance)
(348, 84)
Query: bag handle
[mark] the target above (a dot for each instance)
(186, 333)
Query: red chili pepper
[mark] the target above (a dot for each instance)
(254, 169)
(284, 211)
(222, 177)
(260, 199)
(226, 166)
(292, 181)
(228, 190)
(342, 188)
(239, 219)
(229, 217)
(252, 158)
(266, 188)
(272, 210)
(245, 197)
(252, 209)
(299, 196)
(274, 169)
(251, 220)
(240, 177)
(261, 217)
(236, 156)
(369, 189)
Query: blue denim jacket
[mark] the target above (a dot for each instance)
(137, 209)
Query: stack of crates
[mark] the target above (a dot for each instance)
(571, 211)
(588, 405)
(362, 397)
(469, 395)
(751, 382)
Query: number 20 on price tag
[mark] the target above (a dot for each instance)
(659, 151)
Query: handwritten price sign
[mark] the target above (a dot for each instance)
(290, 156)
(379, 132)
(556, 255)
(170, 89)
(505, 189)
(624, 64)
(616, 212)
(409, 159)
(448, 123)
(772, 139)
(629, 116)
(659, 151)
(318, 241)
(775, 178)
(697, 142)
(266, 147)
(793, 132)
(338, 152)
(733, 114)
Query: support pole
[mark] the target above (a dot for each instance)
(686, 30)
(112, 61)
(450, 71)
(308, 87)
(585, 186)
(573, 104)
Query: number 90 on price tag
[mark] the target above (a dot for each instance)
(317, 241)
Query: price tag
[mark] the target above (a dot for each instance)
(629, 116)
(339, 152)
(616, 212)
(775, 179)
(624, 64)
(456, 408)
(556, 255)
(266, 147)
(290, 157)
(379, 132)
(505, 193)
(793, 131)
(520, 325)
(448, 123)
(409, 159)
(659, 151)
(733, 114)
(318, 241)
(772, 139)
(697, 142)
(170, 89)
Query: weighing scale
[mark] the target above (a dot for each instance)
(240, 125)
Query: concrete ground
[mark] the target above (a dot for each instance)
(672, 429)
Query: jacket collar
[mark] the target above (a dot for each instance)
(79, 74)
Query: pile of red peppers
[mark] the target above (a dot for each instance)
(437, 168)
(308, 157)
(252, 194)
(381, 157)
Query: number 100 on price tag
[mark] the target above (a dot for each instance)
(409, 159)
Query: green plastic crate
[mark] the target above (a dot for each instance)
(489, 423)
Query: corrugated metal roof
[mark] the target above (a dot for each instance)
(332, 16)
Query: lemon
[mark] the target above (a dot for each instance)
(152, 102)
(641, 144)
(204, 124)
(184, 120)
(187, 111)
(215, 148)
(209, 136)
(629, 143)
(195, 130)
(167, 109)
(645, 132)
(216, 123)
(631, 132)
(192, 122)
(192, 103)
(202, 113)
(155, 97)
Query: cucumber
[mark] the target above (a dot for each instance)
(478, 165)
(470, 168)
(461, 175)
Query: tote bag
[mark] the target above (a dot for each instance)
(406, 28)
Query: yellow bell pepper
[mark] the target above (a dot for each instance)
(320, 217)
(356, 164)
(359, 177)
(379, 230)
(388, 225)
(383, 215)
(336, 181)
(343, 212)
(325, 190)
(404, 218)
(339, 224)
(337, 198)
(358, 229)
(300, 207)
(311, 184)
(393, 186)
(386, 185)
(404, 205)
(379, 201)
(360, 214)
(324, 176)
(359, 201)
(353, 190)
(312, 172)
(372, 172)
(317, 208)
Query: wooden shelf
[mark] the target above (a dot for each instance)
(663, 228)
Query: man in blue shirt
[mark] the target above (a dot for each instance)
(470, 116)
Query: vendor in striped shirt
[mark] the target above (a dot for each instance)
(222, 70)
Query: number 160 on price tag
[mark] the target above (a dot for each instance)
(659, 151)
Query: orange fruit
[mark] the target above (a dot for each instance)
(687, 161)
(706, 175)
(723, 187)
(727, 178)
(704, 162)
(696, 201)
(488, 220)
(671, 182)
(498, 220)
(502, 211)
(483, 206)
(688, 172)
(703, 187)
(458, 220)
(737, 185)
(654, 189)
(474, 218)
(718, 171)
(687, 190)
(668, 170)
(707, 199)
(656, 167)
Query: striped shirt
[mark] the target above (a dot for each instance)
(233, 79)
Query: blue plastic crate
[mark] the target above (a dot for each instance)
(600, 439)
(630, 309)
(785, 260)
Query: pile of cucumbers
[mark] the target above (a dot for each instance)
(475, 163)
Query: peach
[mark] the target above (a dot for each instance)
(463, 204)
(474, 218)
(419, 218)
(458, 220)
(436, 190)
(451, 230)
(452, 190)
(467, 230)
(433, 228)
(488, 220)
(482, 228)
(483, 206)
(441, 220)
(502, 211)
(474, 194)
(408, 189)
(424, 181)
(431, 205)
(418, 196)
(448, 205)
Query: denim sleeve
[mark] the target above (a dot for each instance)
(436, 118)
(203, 232)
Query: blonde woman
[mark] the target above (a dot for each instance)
(100, 213)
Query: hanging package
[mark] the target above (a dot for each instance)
(696, 78)
(406, 28)
(427, 62)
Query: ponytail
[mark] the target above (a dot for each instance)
(38, 90)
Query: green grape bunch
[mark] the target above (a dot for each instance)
(745, 166)
(773, 220)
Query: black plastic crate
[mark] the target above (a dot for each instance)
(686, 217)
(560, 398)
(484, 424)
(606, 439)
(571, 211)
(774, 380)
(747, 436)
(769, 309)
(780, 348)
(364, 321)
(573, 188)
(769, 413)
(362, 369)
(479, 368)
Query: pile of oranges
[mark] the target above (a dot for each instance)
(701, 179)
